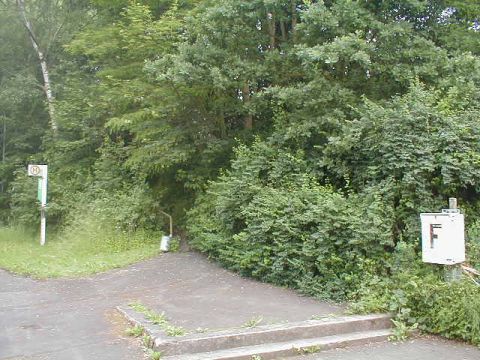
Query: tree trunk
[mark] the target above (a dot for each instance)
(47, 87)
(272, 30)
(248, 120)
(221, 125)
(294, 18)
(283, 29)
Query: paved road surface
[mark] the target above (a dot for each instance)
(75, 319)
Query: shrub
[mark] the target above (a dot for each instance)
(337, 216)
(418, 150)
(291, 232)
(418, 295)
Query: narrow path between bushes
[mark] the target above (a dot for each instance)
(76, 318)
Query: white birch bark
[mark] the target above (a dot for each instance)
(47, 87)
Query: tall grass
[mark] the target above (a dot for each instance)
(84, 248)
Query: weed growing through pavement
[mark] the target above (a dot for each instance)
(147, 341)
(323, 317)
(135, 331)
(255, 321)
(201, 330)
(154, 355)
(309, 349)
(158, 319)
(171, 330)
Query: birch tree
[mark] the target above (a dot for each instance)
(47, 86)
(48, 23)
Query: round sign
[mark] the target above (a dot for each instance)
(35, 170)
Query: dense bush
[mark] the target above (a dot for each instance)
(435, 306)
(339, 219)
(418, 150)
(452, 310)
(295, 232)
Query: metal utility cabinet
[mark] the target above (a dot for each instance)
(443, 237)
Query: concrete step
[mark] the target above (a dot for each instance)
(288, 348)
(279, 333)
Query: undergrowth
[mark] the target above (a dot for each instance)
(419, 297)
(75, 251)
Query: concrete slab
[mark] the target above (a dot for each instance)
(269, 341)
(197, 293)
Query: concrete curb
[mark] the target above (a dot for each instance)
(289, 348)
(266, 334)
(284, 339)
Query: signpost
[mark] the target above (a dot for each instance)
(41, 171)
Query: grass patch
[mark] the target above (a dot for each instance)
(73, 252)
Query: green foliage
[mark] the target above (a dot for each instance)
(452, 310)
(174, 244)
(267, 219)
(473, 244)
(419, 298)
(414, 150)
(459, 26)
(24, 203)
(147, 128)
(344, 120)
(401, 331)
(23, 111)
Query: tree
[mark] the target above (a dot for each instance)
(45, 23)
(458, 26)
(110, 110)
(43, 63)
(24, 106)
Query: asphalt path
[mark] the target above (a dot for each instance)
(76, 319)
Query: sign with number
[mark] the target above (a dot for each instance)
(36, 170)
